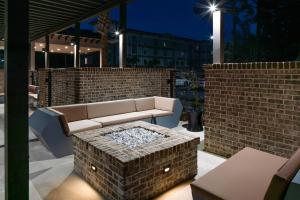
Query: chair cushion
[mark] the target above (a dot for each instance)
(74, 112)
(157, 113)
(33, 95)
(283, 177)
(33, 89)
(246, 175)
(163, 103)
(147, 103)
(122, 118)
(83, 125)
(101, 109)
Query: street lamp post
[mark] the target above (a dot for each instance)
(218, 34)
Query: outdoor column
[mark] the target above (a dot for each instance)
(218, 37)
(122, 35)
(77, 46)
(16, 99)
(32, 56)
(100, 58)
(47, 57)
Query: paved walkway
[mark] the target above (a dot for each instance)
(54, 179)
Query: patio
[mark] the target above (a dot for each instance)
(54, 179)
(251, 117)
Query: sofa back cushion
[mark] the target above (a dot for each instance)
(143, 104)
(283, 177)
(163, 103)
(74, 112)
(102, 109)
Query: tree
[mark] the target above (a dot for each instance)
(276, 36)
(133, 61)
(278, 29)
(242, 13)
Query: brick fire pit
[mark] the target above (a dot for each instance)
(136, 160)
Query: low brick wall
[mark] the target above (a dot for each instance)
(252, 104)
(85, 85)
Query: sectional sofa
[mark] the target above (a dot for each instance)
(54, 125)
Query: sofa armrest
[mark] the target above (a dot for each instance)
(172, 120)
(63, 121)
(47, 126)
(165, 103)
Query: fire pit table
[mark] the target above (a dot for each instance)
(136, 160)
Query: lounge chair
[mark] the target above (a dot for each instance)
(248, 175)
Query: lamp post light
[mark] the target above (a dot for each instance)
(117, 33)
(218, 34)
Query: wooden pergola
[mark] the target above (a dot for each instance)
(20, 23)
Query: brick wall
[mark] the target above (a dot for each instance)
(86, 85)
(252, 104)
(43, 93)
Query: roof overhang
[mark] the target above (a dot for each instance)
(49, 16)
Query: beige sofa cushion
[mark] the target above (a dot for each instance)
(83, 125)
(122, 118)
(246, 176)
(157, 113)
(283, 177)
(147, 103)
(73, 112)
(163, 103)
(101, 109)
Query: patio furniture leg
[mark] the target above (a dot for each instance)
(153, 120)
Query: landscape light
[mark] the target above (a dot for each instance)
(167, 169)
(93, 168)
(66, 47)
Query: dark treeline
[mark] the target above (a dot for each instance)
(263, 30)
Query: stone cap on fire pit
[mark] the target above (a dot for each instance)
(127, 142)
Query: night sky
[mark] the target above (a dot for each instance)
(168, 16)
